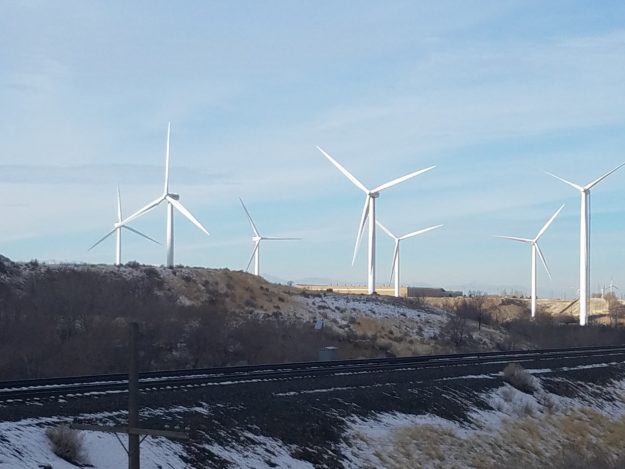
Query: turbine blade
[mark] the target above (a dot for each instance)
(178, 206)
(247, 269)
(415, 233)
(386, 230)
(401, 179)
(361, 227)
(572, 184)
(102, 238)
(598, 180)
(544, 228)
(167, 159)
(542, 258)
(142, 211)
(139, 233)
(514, 238)
(119, 206)
(347, 174)
(395, 256)
(249, 217)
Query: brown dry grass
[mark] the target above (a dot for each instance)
(522, 442)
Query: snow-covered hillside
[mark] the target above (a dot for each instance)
(503, 427)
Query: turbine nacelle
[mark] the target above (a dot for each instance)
(256, 239)
(369, 210)
(173, 200)
(536, 250)
(584, 241)
(117, 228)
(397, 240)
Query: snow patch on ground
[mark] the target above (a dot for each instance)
(525, 428)
(24, 444)
(344, 310)
(259, 452)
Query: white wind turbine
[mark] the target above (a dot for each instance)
(584, 242)
(535, 250)
(368, 212)
(257, 238)
(395, 266)
(172, 202)
(117, 229)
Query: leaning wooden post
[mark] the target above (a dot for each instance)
(133, 399)
(132, 429)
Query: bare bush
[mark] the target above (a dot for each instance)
(67, 444)
(474, 308)
(517, 376)
(574, 457)
(457, 330)
(547, 332)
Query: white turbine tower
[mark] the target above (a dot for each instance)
(368, 212)
(584, 242)
(397, 239)
(257, 238)
(535, 250)
(172, 203)
(117, 229)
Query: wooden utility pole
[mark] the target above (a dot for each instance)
(132, 429)
(133, 398)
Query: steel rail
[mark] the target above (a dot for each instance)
(50, 387)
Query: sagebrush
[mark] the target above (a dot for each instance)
(520, 378)
(67, 443)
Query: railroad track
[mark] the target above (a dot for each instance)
(159, 380)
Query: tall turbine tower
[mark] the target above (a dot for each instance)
(117, 229)
(256, 239)
(535, 250)
(584, 242)
(172, 203)
(368, 212)
(395, 266)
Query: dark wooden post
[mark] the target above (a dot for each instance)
(133, 399)
(132, 429)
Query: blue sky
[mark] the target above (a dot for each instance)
(492, 92)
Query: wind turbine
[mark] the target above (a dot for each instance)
(117, 229)
(368, 212)
(172, 203)
(257, 238)
(584, 242)
(535, 250)
(395, 266)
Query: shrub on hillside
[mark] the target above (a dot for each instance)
(473, 307)
(67, 444)
(573, 457)
(457, 329)
(548, 332)
(517, 376)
